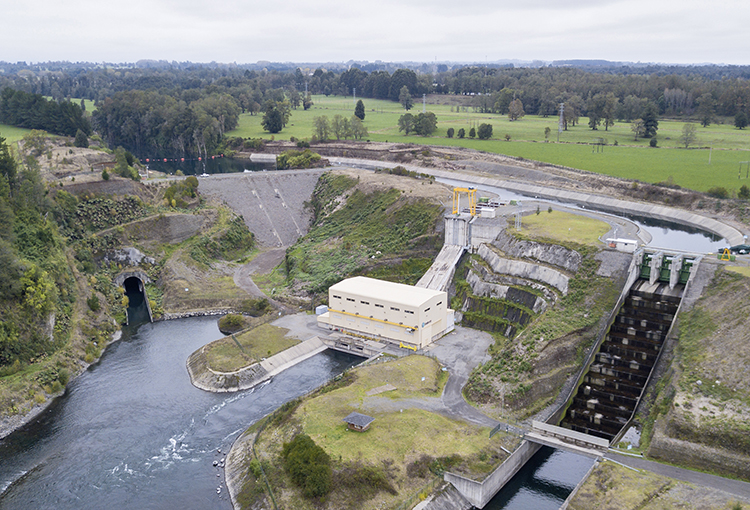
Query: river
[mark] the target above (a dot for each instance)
(132, 432)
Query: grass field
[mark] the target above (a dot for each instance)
(396, 434)
(225, 355)
(400, 436)
(629, 159)
(565, 227)
(12, 134)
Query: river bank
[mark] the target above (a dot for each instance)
(10, 424)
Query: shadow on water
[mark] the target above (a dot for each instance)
(211, 166)
(543, 483)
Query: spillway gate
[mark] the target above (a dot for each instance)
(615, 381)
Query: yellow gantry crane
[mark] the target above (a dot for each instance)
(472, 192)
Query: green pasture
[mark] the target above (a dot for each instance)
(562, 226)
(399, 431)
(628, 159)
(12, 134)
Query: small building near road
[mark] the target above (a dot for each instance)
(359, 422)
(412, 317)
(626, 245)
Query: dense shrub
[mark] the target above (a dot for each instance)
(93, 303)
(229, 244)
(253, 143)
(718, 192)
(231, 323)
(297, 159)
(308, 466)
(255, 307)
(485, 131)
(177, 193)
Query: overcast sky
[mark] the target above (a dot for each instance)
(664, 31)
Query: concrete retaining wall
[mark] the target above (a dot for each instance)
(524, 269)
(485, 230)
(290, 357)
(480, 493)
(447, 499)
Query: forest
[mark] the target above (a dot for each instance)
(33, 111)
(163, 108)
(34, 276)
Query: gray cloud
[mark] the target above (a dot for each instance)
(680, 31)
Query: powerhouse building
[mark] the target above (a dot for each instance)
(411, 316)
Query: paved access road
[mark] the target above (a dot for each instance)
(729, 485)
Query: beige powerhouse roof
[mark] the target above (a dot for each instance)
(386, 291)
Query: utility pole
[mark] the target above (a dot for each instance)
(424, 103)
(519, 213)
(560, 122)
(355, 94)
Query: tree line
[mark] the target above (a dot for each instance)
(160, 124)
(33, 111)
(186, 109)
(675, 90)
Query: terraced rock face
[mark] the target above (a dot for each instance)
(550, 303)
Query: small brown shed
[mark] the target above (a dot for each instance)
(359, 422)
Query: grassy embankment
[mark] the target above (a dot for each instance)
(700, 414)
(629, 159)
(525, 372)
(613, 486)
(250, 346)
(394, 460)
(373, 224)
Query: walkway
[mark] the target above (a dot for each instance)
(440, 273)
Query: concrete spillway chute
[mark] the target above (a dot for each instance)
(472, 193)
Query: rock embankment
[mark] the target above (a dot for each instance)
(236, 466)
